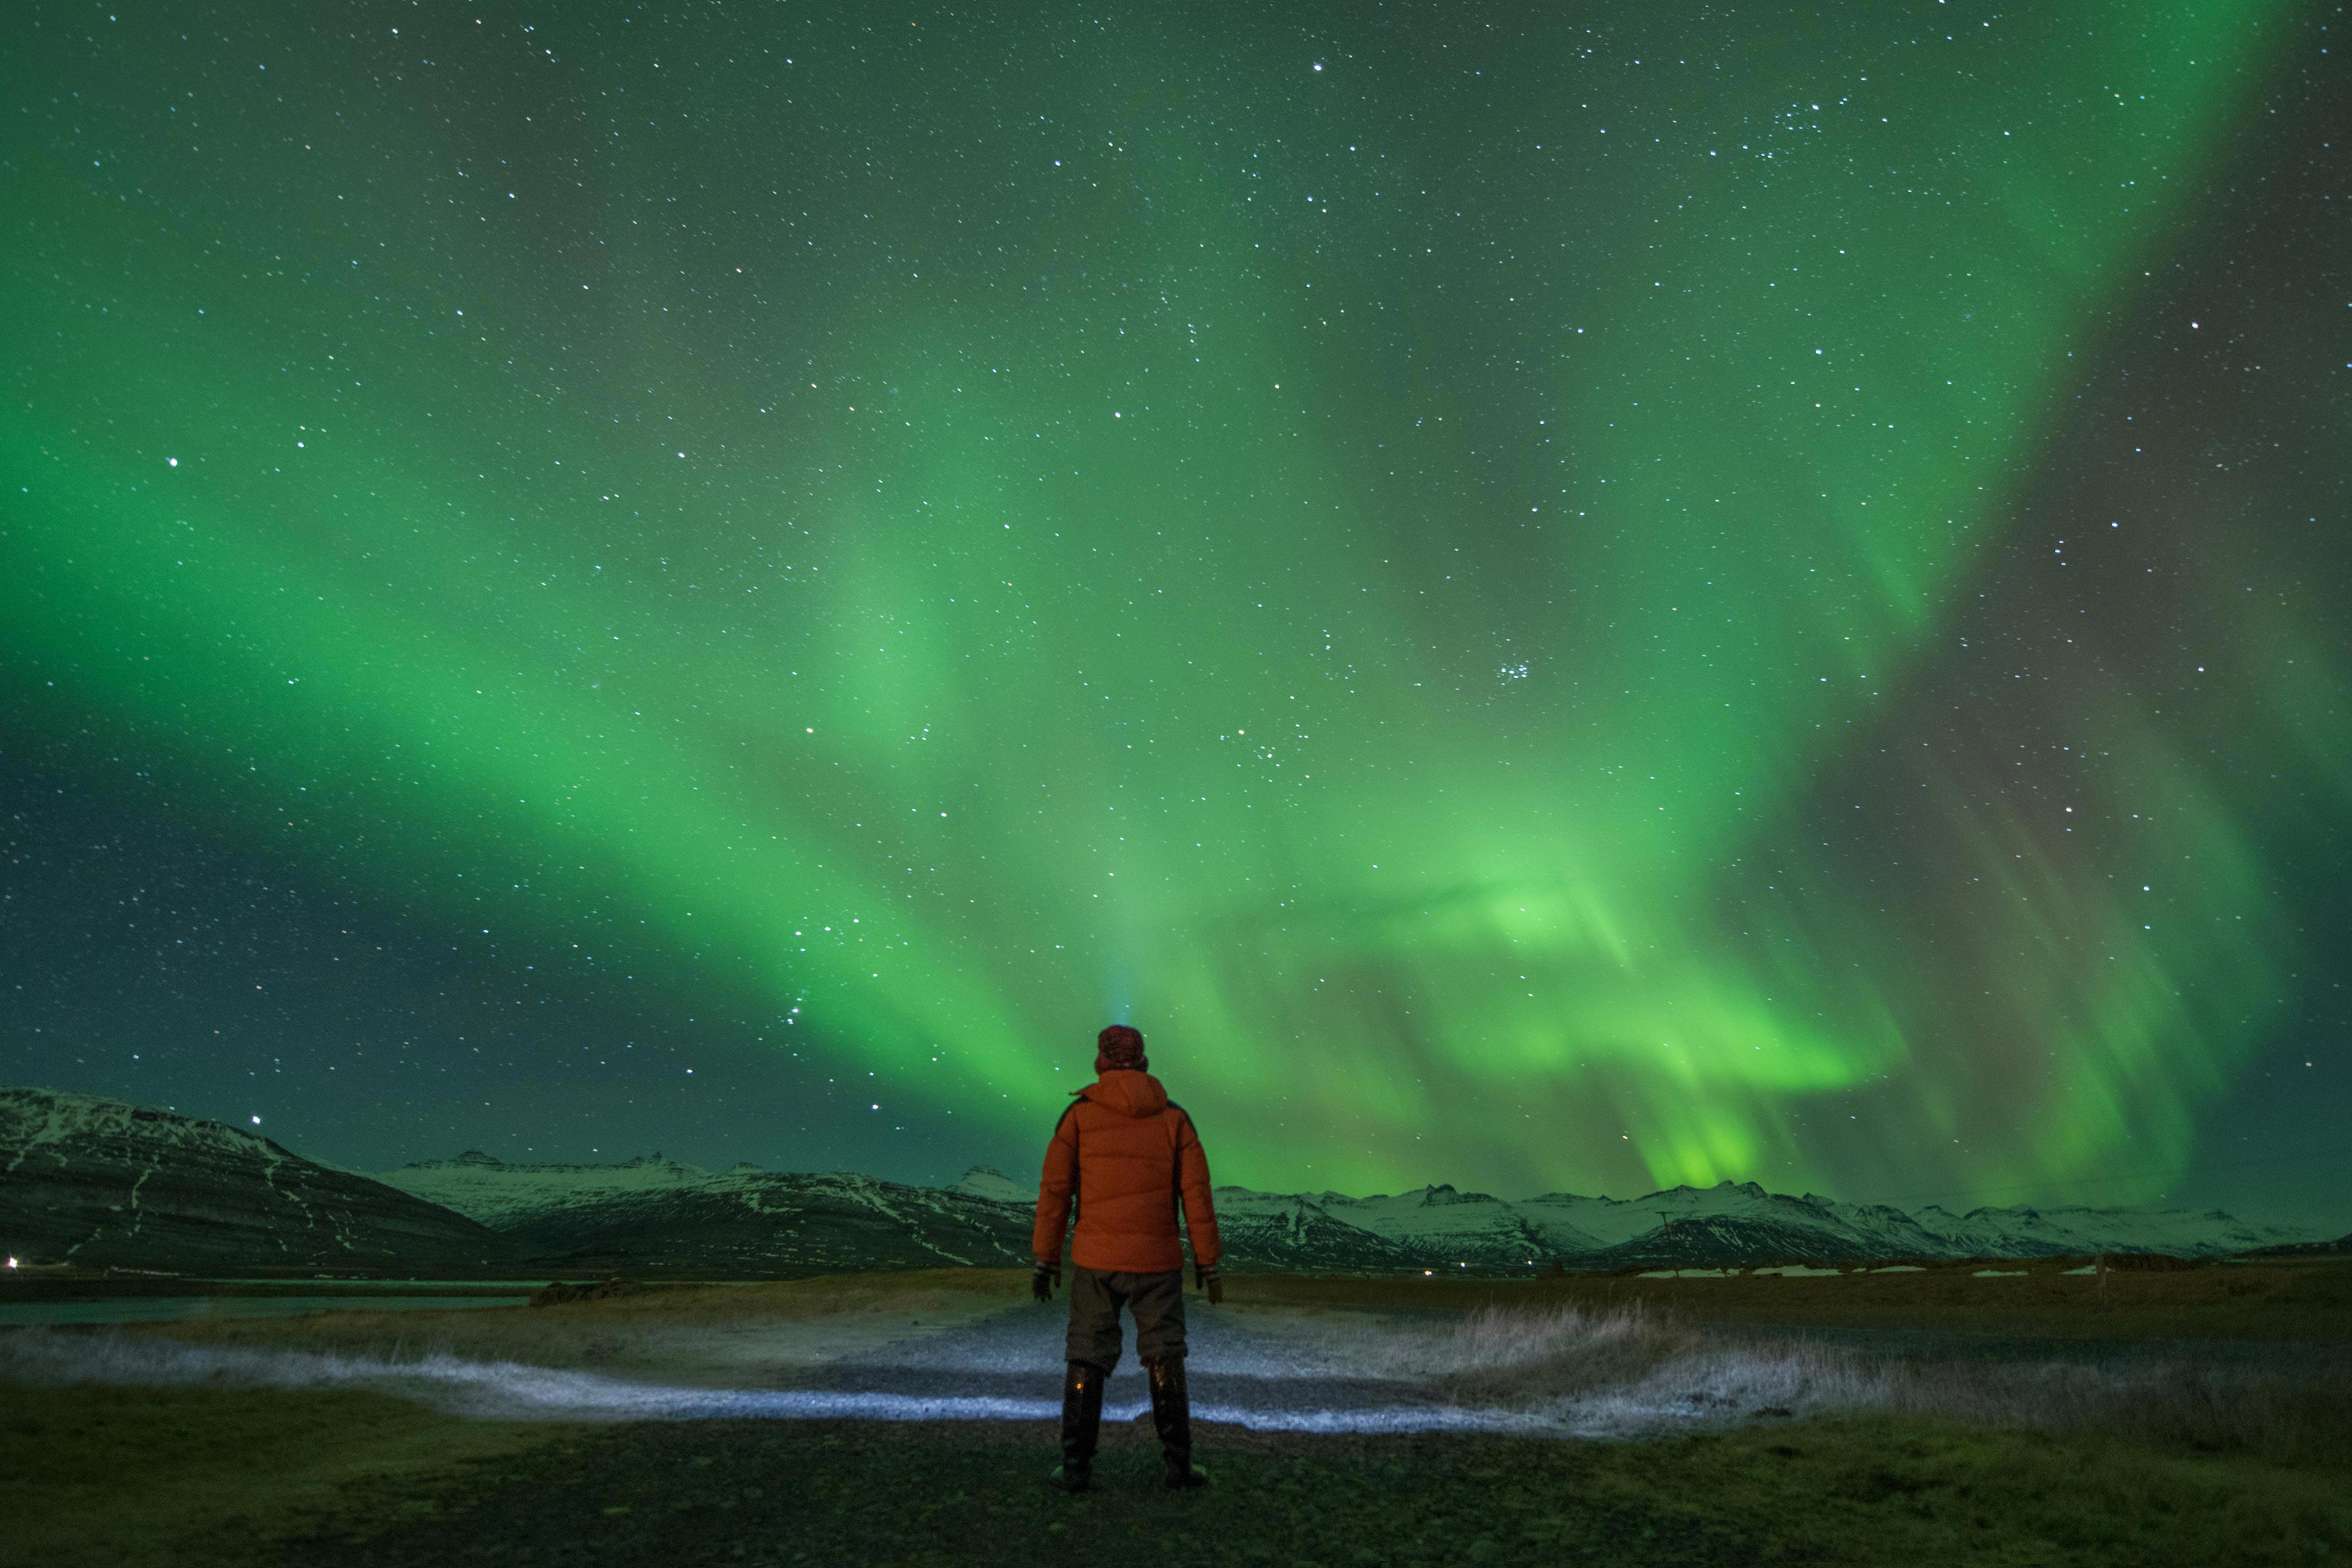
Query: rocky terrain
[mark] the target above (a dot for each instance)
(101, 1183)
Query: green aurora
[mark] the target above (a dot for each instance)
(1438, 566)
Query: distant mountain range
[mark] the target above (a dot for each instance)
(652, 1216)
(103, 1184)
(1730, 1223)
(100, 1183)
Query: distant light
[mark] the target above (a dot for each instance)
(256, 1121)
(12, 1263)
(175, 463)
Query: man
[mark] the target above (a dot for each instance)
(1125, 1156)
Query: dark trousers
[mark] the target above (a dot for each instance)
(1156, 1300)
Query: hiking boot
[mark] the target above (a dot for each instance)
(1172, 1417)
(1082, 1394)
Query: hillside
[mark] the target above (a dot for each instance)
(102, 1184)
(653, 1216)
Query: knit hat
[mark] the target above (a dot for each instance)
(1120, 1049)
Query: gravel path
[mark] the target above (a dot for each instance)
(964, 1494)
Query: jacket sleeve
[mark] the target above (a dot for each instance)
(1054, 1190)
(1200, 1209)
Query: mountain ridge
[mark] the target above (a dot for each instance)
(1433, 1226)
(89, 1180)
(102, 1183)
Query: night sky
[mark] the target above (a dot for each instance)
(1565, 598)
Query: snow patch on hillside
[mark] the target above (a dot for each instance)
(1437, 1225)
(501, 1195)
(988, 1182)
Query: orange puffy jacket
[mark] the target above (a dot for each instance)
(1126, 1155)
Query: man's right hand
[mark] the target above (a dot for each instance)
(1048, 1274)
(1209, 1279)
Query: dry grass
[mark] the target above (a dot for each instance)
(130, 1479)
(1500, 1354)
(1513, 1356)
(1889, 1489)
(1602, 1356)
(1634, 1371)
(95, 1477)
(1757, 1439)
(2275, 1300)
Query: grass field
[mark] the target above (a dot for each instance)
(2287, 1300)
(1994, 1459)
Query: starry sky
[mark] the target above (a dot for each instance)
(1550, 598)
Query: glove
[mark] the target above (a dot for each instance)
(1206, 1278)
(1047, 1275)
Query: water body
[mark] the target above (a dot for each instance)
(173, 1309)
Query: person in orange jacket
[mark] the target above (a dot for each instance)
(1125, 1156)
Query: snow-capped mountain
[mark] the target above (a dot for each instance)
(988, 1182)
(660, 1215)
(98, 1181)
(653, 1216)
(102, 1184)
(1742, 1223)
(1275, 1230)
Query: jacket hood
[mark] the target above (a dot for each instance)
(1129, 1092)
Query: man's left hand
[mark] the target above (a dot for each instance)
(1209, 1279)
(1048, 1274)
